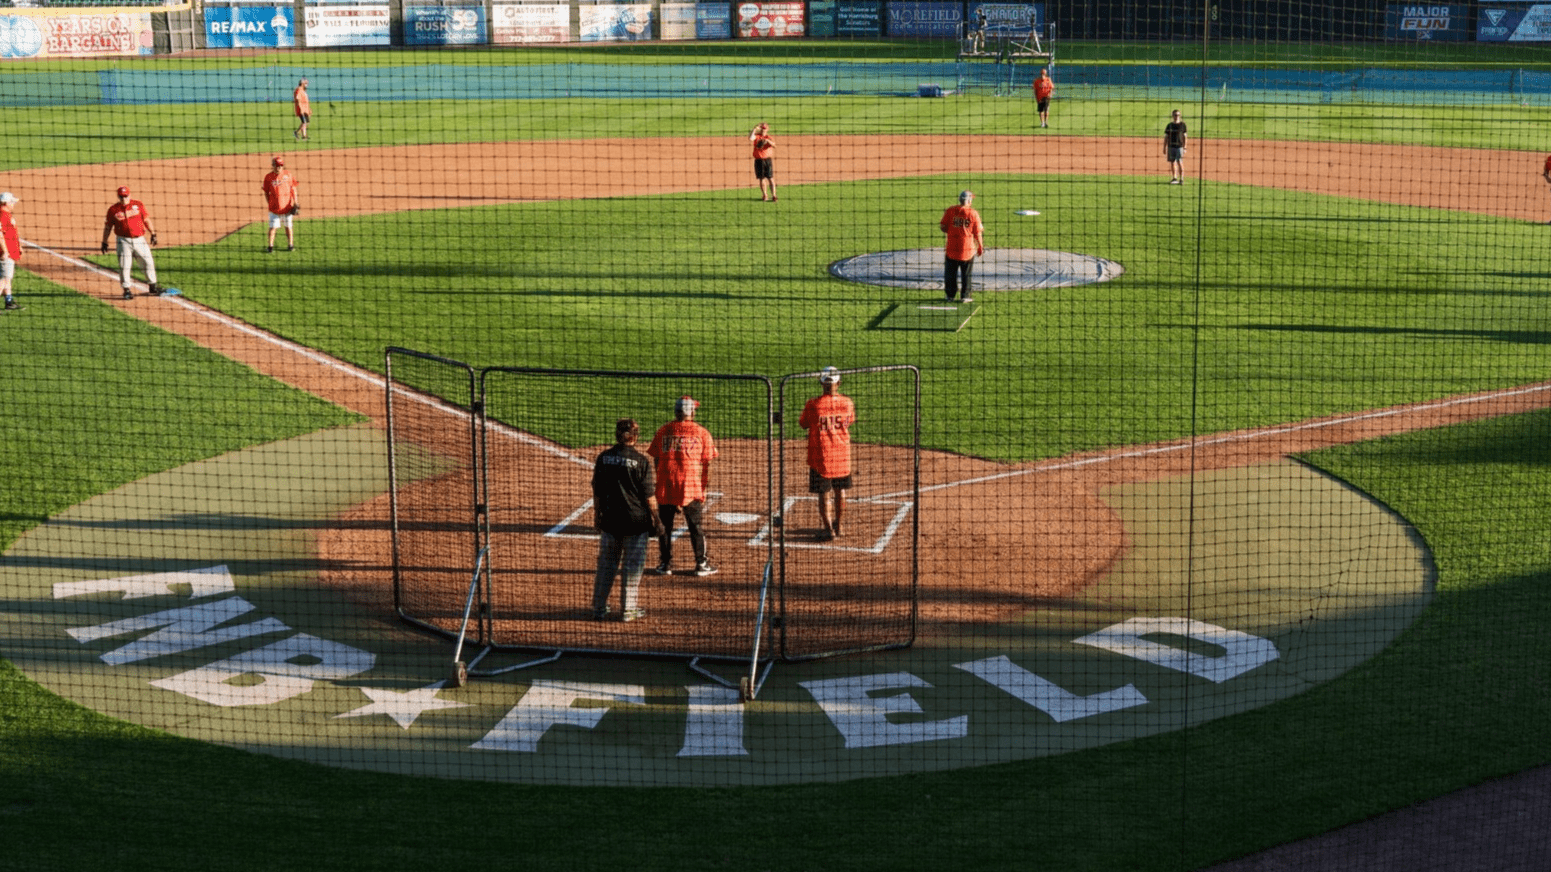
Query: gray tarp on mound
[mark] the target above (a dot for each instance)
(999, 269)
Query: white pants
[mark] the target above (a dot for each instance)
(130, 248)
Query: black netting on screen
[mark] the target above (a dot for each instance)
(1204, 517)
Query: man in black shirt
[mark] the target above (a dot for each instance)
(624, 507)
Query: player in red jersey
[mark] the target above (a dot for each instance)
(1043, 88)
(966, 240)
(764, 161)
(683, 451)
(130, 221)
(828, 419)
(284, 203)
(11, 249)
(303, 107)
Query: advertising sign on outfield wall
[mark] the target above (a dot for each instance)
(623, 22)
(925, 18)
(713, 21)
(1514, 22)
(512, 23)
(1011, 19)
(770, 19)
(1415, 21)
(330, 24)
(250, 26)
(444, 25)
(858, 18)
(46, 34)
(678, 21)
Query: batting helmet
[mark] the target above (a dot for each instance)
(278, 161)
(685, 406)
(123, 190)
(966, 196)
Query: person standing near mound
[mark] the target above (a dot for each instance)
(965, 242)
(764, 160)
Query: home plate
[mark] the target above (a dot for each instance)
(1027, 212)
(734, 518)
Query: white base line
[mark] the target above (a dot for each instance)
(1250, 436)
(335, 364)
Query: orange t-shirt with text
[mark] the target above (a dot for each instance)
(828, 420)
(965, 233)
(683, 451)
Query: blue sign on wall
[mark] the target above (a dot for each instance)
(1422, 21)
(250, 27)
(1504, 22)
(444, 25)
(858, 18)
(713, 21)
(925, 18)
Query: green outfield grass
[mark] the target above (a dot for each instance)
(1325, 325)
(1240, 307)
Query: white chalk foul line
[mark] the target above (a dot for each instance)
(1227, 438)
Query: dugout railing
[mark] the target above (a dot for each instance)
(493, 545)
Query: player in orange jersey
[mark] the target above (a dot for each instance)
(1043, 88)
(284, 203)
(303, 107)
(828, 419)
(683, 451)
(966, 240)
(764, 161)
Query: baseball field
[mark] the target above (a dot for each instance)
(1241, 546)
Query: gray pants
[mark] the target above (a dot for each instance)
(619, 555)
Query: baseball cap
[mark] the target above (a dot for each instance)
(278, 161)
(830, 376)
(685, 406)
(966, 196)
(123, 190)
(8, 198)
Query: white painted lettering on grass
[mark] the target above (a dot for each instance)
(266, 675)
(553, 703)
(202, 582)
(1047, 696)
(715, 724)
(863, 719)
(1241, 651)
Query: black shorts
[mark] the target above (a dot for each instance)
(305, 117)
(818, 484)
(764, 167)
(1044, 105)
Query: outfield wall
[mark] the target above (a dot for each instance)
(128, 85)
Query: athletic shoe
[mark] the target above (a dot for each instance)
(269, 249)
(660, 569)
(12, 304)
(632, 615)
(826, 535)
(601, 614)
(704, 568)
(156, 290)
(290, 248)
(128, 294)
(1175, 182)
(966, 299)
